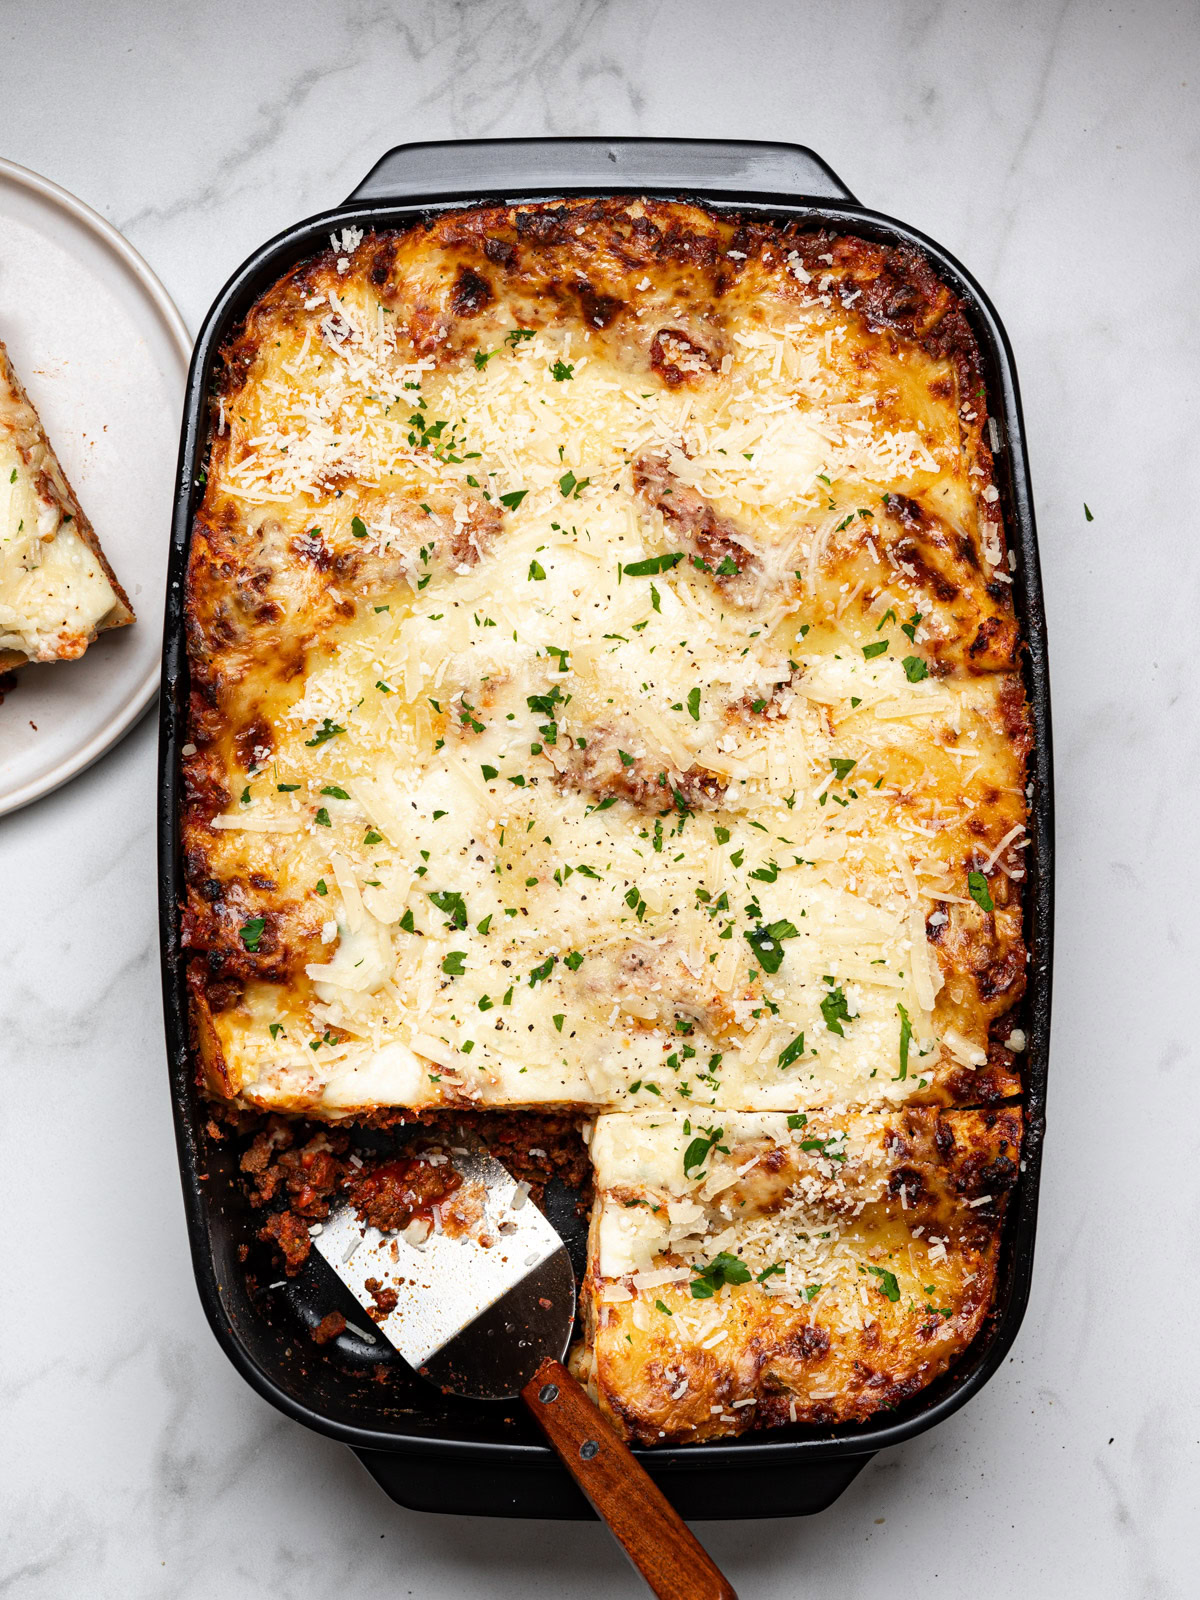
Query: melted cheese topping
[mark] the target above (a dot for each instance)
(54, 592)
(566, 806)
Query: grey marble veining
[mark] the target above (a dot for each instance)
(1055, 148)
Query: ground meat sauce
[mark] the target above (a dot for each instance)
(394, 1193)
(385, 1299)
(296, 1172)
(329, 1327)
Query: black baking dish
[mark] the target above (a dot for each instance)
(457, 1456)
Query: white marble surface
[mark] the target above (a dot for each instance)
(1056, 149)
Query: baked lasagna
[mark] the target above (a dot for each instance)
(605, 700)
(57, 591)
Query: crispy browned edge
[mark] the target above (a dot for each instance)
(121, 614)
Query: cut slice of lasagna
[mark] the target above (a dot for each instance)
(57, 591)
(766, 1268)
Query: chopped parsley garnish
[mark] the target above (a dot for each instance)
(977, 888)
(841, 766)
(358, 527)
(722, 834)
(792, 1052)
(251, 932)
(574, 961)
(654, 565)
(720, 1270)
(321, 886)
(769, 1272)
(328, 730)
(1087, 515)
(835, 1010)
(798, 1119)
(887, 1283)
(336, 793)
(697, 1152)
(915, 669)
(454, 963)
(543, 704)
(513, 499)
(489, 772)
(572, 487)
(542, 971)
(765, 941)
(820, 1147)
(322, 818)
(693, 704)
(728, 568)
(562, 371)
(879, 648)
(276, 1029)
(407, 923)
(287, 788)
(536, 571)
(452, 904)
(910, 627)
(905, 1041)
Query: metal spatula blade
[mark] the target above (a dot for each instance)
(475, 1312)
(488, 1313)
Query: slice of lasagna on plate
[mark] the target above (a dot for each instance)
(57, 592)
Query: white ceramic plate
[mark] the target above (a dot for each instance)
(104, 355)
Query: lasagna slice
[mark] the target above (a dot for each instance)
(57, 591)
(762, 1269)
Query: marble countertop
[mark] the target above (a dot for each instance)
(1054, 149)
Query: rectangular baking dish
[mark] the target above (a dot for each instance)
(440, 1454)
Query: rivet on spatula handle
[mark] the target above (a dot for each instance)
(652, 1533)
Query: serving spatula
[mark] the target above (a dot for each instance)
(487, 1313)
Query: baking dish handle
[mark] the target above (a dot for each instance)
(523, 168)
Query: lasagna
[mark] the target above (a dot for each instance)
(57, 592)
(606, 700)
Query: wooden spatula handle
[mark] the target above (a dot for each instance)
(652, 1533)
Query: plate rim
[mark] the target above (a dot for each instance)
(115, 727)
